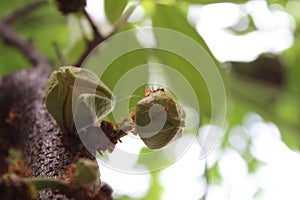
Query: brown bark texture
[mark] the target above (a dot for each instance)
(47, 151)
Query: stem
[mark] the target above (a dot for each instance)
(12, 38)
(94, 28)
(27, 49)
(123, 19)
(28, 8)
(98, 38)
(90, 44)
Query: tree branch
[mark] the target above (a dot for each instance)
(28, 50)
(47, 151)
(28, 8)
(123, 19)
(98, 38)
(12, 38)
(94, 27)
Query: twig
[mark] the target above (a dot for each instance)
(122, 20)
(59, 53)
(98, 38)
(90, 46)
(23, 11)
(12, 38)
(94, 27)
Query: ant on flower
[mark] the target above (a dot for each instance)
(149, 91)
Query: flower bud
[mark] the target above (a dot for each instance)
(75, 95)
(159, 120)
(87, 173)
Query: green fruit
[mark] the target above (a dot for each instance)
(75, 95)
(159, 120)
(87, 173)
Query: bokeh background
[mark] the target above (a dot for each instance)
(257, 43)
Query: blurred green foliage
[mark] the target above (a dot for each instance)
(56, 35)
(114, 9)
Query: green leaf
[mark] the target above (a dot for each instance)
(282, 2)
(7, 7)
(253, 165)
(156, 188)
(147, 156)
(213, 1)
(121, 66)
(121, 63)
(74, 51)
(190, 74)
(49, 27)
(173, 18)
(149, 7)
(124, 197)
(212, 175)
(114, 9)
(271, 103)
(13, 61)
(166, 2)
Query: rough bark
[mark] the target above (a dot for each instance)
(47, 150)
(25, 122)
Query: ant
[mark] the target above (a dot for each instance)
(151, 91)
